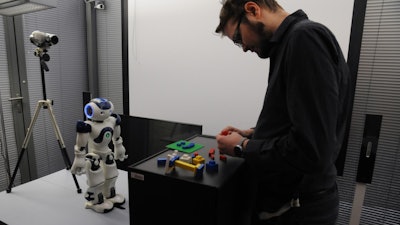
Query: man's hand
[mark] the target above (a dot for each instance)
(226, 143)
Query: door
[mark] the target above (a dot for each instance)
(14, 109)
(370, 185)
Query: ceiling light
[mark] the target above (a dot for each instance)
(17, 7)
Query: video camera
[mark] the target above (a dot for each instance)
(43, 40)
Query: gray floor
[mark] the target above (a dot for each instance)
(53, 199)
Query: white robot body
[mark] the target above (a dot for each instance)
(95, 181)
(94, 171)
(98, 162)
(101, 135)
(110, 167)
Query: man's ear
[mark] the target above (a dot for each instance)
(252, 9)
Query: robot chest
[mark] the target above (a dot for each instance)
(102, 135)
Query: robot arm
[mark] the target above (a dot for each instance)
(83, 129)
(119, 149)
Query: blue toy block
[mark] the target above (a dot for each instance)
(211, 166)
(172, 160)
(161, 161)
(187, 146)
(199, 171)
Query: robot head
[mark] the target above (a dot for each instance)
(98, 109)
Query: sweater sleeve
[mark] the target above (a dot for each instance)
(309, 144)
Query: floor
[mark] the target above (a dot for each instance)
(53, 199)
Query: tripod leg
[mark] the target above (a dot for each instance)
(24, 145)
(61, 144)
(60, 140)
(15, 170)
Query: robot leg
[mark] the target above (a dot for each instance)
(111, 175)
(95, 181)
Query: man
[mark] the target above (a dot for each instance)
(292, 149)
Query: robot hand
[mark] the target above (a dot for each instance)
(119, 153)
(78, 167)
(119, 150)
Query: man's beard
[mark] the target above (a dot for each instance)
(264, 46)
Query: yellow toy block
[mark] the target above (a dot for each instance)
(198, 160)
(185, 165)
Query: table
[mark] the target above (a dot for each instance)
(181, 198)
(53, 199)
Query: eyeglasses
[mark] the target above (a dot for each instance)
(237, 36)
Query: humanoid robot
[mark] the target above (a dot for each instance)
(98, 162)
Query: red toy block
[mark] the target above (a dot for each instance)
(225, 132)
(222, 157)
(211, 152)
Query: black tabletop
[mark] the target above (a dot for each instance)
(226, 168)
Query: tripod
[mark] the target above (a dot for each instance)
(45, 104)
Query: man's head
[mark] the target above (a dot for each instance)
(250, 24)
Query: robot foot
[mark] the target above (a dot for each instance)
(104, 207)
(117, 200)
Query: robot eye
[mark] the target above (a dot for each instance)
(89, 111)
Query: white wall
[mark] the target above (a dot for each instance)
(180, 70)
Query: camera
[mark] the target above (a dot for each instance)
(99, 5)
(42, 39)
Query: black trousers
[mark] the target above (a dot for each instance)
(321, 209)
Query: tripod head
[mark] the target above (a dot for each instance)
(44, 57)
(43, 41)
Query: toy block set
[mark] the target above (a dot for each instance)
(192, 162)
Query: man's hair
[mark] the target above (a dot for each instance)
(235, 9)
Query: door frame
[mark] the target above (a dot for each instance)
(19, 100)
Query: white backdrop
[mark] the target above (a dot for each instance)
(181, 71)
